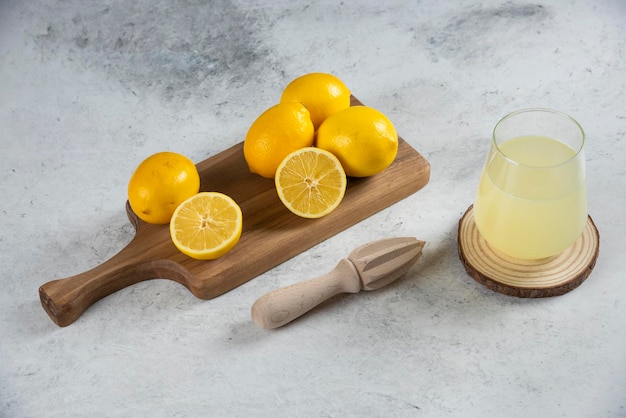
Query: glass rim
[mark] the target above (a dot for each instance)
(577, 152)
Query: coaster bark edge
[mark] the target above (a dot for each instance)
(553, 276)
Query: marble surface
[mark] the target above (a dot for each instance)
(89, 89)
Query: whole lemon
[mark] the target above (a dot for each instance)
(323, 94)
(280, 130)
(362, 138)
(159, 184)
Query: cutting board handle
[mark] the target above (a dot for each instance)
(280, 306)
(64, 300)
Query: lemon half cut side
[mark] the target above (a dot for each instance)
(311, 182)
(206, 226)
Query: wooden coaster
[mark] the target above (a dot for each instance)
(552, 276)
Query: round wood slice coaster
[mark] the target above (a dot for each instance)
(552, 276)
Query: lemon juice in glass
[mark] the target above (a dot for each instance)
(531, 201)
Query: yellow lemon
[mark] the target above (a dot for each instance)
(159, 184)
(310, 182)
(323, 94)
(364, 140)
(206, 226)
(279, 130)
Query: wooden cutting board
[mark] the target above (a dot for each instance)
(271, 234)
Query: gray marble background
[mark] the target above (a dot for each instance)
(89, 89)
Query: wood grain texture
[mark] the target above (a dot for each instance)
(271, 234)
(281, 306)
(548, 277)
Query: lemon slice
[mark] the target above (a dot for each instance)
(310, 182)
(206, 226)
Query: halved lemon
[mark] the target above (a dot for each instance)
(206, 226)
(310, 182)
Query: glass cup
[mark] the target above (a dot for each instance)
(531, 201)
